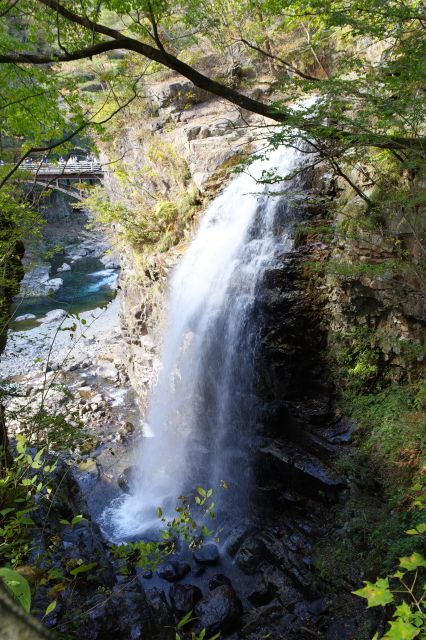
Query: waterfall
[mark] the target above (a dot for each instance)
(203, 411)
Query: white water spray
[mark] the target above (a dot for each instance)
(203, 409)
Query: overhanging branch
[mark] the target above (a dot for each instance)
(119, 41)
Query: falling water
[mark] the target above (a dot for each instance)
(203, 411)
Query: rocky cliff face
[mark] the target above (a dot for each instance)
(377, 287)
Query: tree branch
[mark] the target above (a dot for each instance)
(163, 57)
(285, 64)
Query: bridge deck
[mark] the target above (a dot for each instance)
(63, 169)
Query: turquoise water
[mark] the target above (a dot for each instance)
(87, 286)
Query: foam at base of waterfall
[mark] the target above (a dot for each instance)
(127, 517)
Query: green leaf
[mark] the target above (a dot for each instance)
(185, 620)
(378, 594)
(17, 586)
(37, 462)
(51, 607)
(398, 575)
(77, 519)
(4, 512)
(21, 444)
(413, 562)
(401, 630)
(83, 568)
(420, 528)
(402, 611)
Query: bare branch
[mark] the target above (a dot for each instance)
(284, 63)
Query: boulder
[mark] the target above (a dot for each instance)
(25, 316)
(173, 571)
(218, 581)
(54, 284)
(55, 315)
(184, 597)
(160, 610)
(220, 610)
(64, 267)
(235, 538)
(108, 371)
(261, 596)
(125, 479)
(250, 555)
(207, 554)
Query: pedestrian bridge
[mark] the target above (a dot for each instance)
(64, 176)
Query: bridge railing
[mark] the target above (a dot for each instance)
(49, 168)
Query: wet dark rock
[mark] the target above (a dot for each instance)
(299, 469)
(340, 432)
(173, 571)
(236, 537)
(341, 629)
(102, 620)
(147, 574)
(218, 581)
(270, 616)
(283, 586)
(318, 607)
(159, 608)
(125, 478)
(184, 597)
(207, 554)
(198, 570)
(133, 612)
(251, 554)
(261, 596)
(220, 610)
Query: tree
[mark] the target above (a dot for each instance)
(360, 102)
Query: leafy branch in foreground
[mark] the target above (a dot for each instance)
(188, 525)
(26, 497)
(405, 589)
